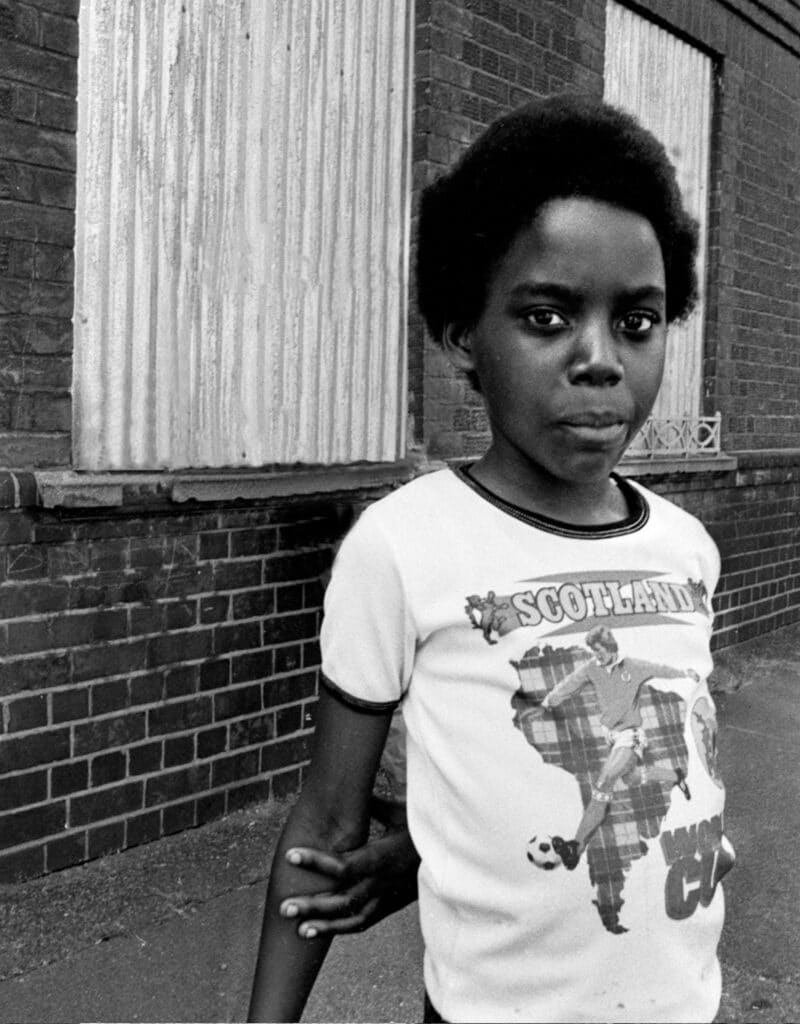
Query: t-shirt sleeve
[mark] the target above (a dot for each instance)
(367, 636)
(710, 562)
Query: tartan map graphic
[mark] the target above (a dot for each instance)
(571, 738)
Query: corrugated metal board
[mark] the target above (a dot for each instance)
(241, 232)
(667, 84)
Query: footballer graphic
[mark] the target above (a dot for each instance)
(542, 854)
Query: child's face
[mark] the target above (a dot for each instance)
(569, 349)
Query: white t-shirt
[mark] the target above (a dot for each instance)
(467, 611)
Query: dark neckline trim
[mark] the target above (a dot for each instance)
(635, 500)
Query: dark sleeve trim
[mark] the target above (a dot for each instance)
(371, 707)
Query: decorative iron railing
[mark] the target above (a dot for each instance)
(678, 437)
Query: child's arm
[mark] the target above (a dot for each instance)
(364, 885)
(331, 814)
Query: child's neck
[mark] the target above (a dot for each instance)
(595, 502)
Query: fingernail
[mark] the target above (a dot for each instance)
(310, 933)
(294, 857)
(290, 910)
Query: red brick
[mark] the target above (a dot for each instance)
(215, 674)
(253, 603)
(68, 705)
(179, 716)
(245, 667)
(25, 713)
(242, 637)
(245, 543)
(180, 681)
(26, 562)
(27, 863)
(106, 768)
(38, 748)
(214, 608)
(110, 696)
(144, 759)
(39, 69)
(66, 851)
(69, 778)
(16, 528)
(60, 34)
(245, 732)
(178, 750)
(247, 794)
(178, 647)
(284, 628)
(54, 263)
(19, 675)
(112, 802)
(20, 827)
(289, 720)
(35, 450)
(288, 659)
(50, 224)
(237, 575)
(180, 614)
(288, 689)
(174, 785)
(232, 703)
(106, 733)
(143, 828)
(285, 753)
(21, 790)
(290, 598)
(108, 659)
(227, 770)
(106, 839)
(212, 741)
(214, 545)
(210, 807)
(178, 817)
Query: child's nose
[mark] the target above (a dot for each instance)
(596, 357)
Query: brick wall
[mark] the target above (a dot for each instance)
(474, 60)
(159, 669)
(38, 82)
(158, 664)
(752, 515)
(477, 58)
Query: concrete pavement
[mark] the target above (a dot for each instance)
(167, 932)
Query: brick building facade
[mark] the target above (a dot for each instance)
(158, 630)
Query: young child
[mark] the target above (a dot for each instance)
(551, 259)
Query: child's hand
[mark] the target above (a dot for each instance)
(368, 884)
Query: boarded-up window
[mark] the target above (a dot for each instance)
(241, 232)
(667, 84)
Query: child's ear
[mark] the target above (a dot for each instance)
(457, 343)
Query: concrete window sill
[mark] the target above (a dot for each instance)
(71, 489)
(677, 465)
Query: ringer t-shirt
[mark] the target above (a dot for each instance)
(465, 611)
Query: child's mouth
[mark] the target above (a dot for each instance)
(597, 432)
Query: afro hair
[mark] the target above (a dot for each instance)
(562, 147)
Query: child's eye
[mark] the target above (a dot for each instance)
(544, 317)
(638, 323)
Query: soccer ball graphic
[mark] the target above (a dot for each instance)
(542, 854)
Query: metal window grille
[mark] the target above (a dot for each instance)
(677, 437)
